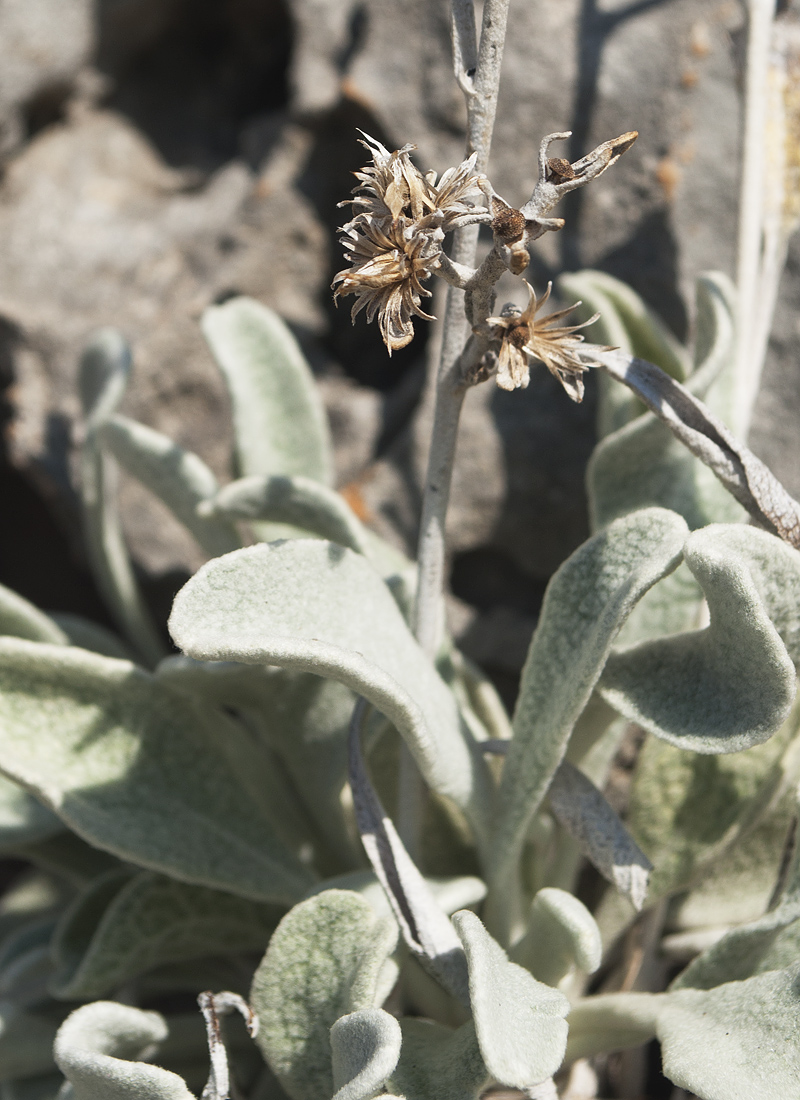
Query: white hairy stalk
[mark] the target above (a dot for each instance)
(477, 68)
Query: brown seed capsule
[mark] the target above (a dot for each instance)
(508, 224)
(559, 170)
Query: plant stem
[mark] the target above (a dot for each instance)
(480, 89)
(751, 208)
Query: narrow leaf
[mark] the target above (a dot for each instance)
(21, 619)
(519, 1022)
(365, 1047)
(312, 606)
(177, 477)
(98, 1049)
(278, 416)
(301, 501)
(103, 375)
(142, 771)
(601, 836)
(426, 930)
(744, 476)
(561, 933)
(323, 962)
(586, 603)
(736, 681)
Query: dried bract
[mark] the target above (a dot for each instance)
(394, 242)
(524, 338)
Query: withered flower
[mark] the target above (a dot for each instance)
(525, 338)
(394, 242)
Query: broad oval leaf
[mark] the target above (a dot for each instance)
(316, 607)
(177, 477)
(300, 501)
(123, 925)
(738, 1040)
(278, 417)
(561, 933)
(365, 1047)
(98, 1048)
(586, 603)
(519, 1022)
(142, 771)
(324, 961)
(717, 690)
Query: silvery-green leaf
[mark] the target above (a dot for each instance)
(643, 464)
(717, 690)
(561, 933)
(612, 1021)
(313, 606)
(44, 1086)
(365, 1047)
(769, 943)
(738, 1040)
(103, 375)
(615, 406)
(90, 635)
(142, 771)
(278, 415)
(687, 809)
(301, 717)
(324, 961)
(178, 477)
(519, 1022)
(68, 857)
(584, 607)
(647, 335)
(587, 816)
(21, 619)
(439, 1064)
(451, 894)
(98, 1049)
(428, 933)
(121, 926)
(26, 1039)
(301, 501)
(23, 819)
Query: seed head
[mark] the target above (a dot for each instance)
(394, 242)
(524, 338)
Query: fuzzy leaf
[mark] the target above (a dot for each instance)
(738, 1040)
(585, 605)
(686, 809)
(365, 1047)
(68, 857)
(105, 368)
(176, 476)
(439, 1064)
(312, 606)
(94, 1048)
(301, 717)
(736, 680)
(587, 816)
(121, 926)
(519, 1022)
(612, 1021)
(561, 933)
(278, 416)
(300, 501)
(323, 962)
(23, 819)
(21, 619)
(89, 635)
(142, 771)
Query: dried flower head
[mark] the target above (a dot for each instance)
(394, 242)
(525, 338)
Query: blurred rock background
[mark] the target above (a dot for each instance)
(160, 155)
